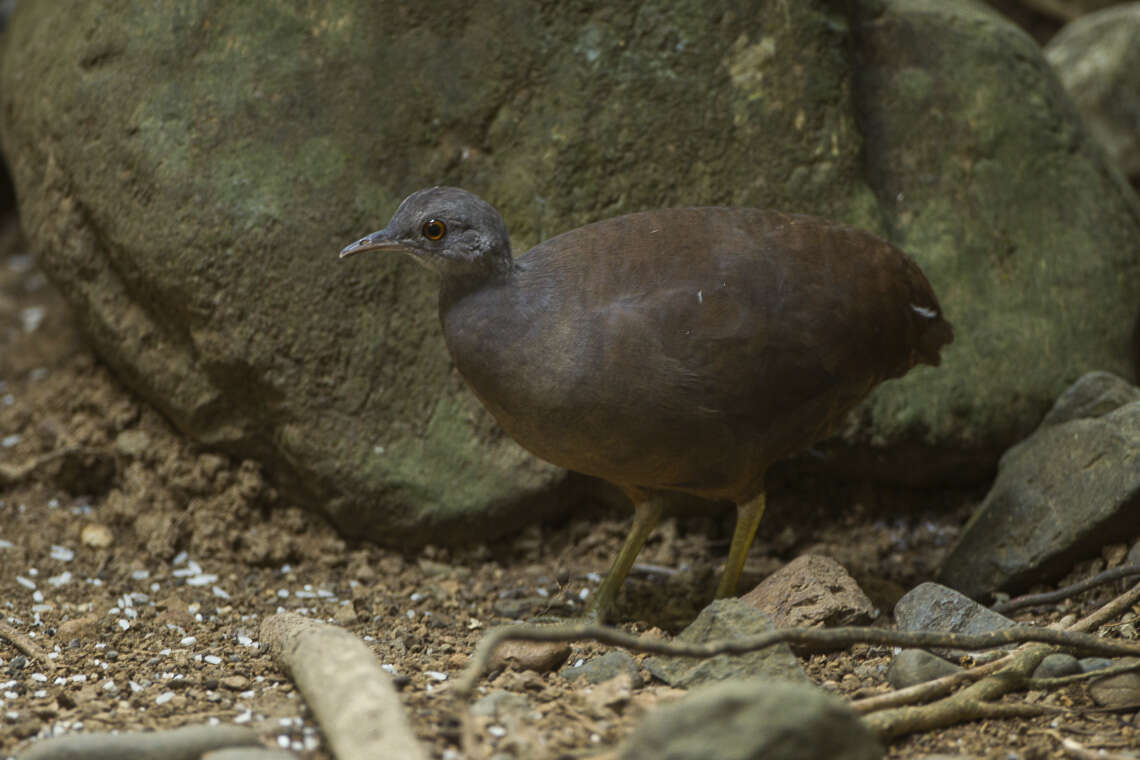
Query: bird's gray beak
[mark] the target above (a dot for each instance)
(377, 241)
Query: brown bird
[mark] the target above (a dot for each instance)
(683, 349)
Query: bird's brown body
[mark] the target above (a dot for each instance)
(682, 349)
(672, 349)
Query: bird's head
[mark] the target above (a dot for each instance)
(446, 229)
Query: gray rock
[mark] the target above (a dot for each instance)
(1089, 664)
(499, 703)
(1059, 496)
(1098, 60)
(1120, 690)
(914, 666)
(1133, 557)
(933, 607)
(193, 223)
(609, 665)
(812, 590)
(727, 619)
(741, 720)
(1093, 395)
(1057, 666)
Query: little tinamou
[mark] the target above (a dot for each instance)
(682, 349)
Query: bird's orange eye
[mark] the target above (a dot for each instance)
(434, 229)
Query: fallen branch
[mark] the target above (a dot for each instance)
(186, 743)
(1033, 600)
(25, 645)
(352, 698)
(1053, 683)
(1117, 606)
(922, 692)
(809, 639)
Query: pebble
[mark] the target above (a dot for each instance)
(600, 669)
(914, 666)
(1057, 666)
(235, 683)
(500, 703)
(1089, 664)
(96, 535)
(539, 656)
(345, 615)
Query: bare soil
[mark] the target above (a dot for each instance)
(142, 565)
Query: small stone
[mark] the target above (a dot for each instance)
(235, 683)
(499, 704)
(1089, 664)
(812, 591)
(915, 666)
(600, 669)
(78, 628)
(345, 615)
(1057, 666)
(132, 443)
(539, 656)
(1133, 557)
(96, 535)
(1120, 690)
(751, 719)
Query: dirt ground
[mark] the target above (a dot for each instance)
(143, 565)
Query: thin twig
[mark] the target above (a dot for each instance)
(975, 702)
(1032, 600)
(1107, 612)
(1081, 752)
(1053, 683)
(811, 639)
(11, 474)
(921, 692)
(25, 645)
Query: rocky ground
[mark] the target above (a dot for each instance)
(142, 567)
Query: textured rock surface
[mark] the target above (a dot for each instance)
(603, 668)
(932, 607)
(739, 720)
(727, 619)
(1098, 59)
(1093, 395)
(1060, 495)
(224, 153)
(811, 590)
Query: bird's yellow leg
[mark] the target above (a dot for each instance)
(748, 517)
(646, 513)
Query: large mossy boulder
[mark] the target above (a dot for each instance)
(187, 171)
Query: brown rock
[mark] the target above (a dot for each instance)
(78, 628)
(96, 535)
(540, 656)
(345, 615)
(812, 591)
(235, 683)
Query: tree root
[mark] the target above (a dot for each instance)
(351, 697)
